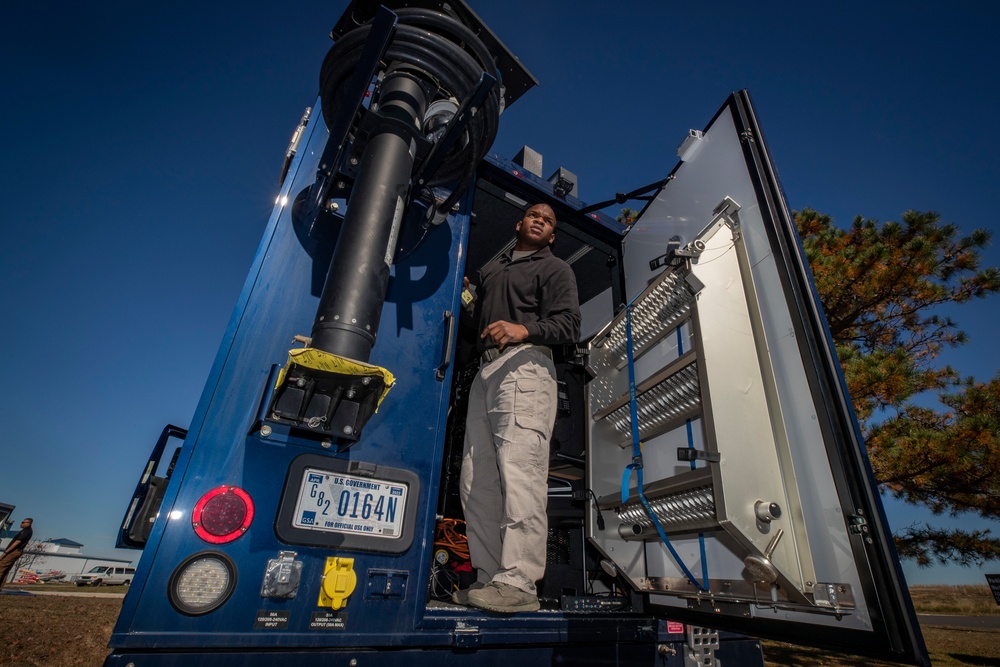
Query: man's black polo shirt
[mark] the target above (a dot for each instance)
(538, 291)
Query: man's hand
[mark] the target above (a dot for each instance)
(505, 333)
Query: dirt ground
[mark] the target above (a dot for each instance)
(72, 630)
(948, 647)
(55, 631)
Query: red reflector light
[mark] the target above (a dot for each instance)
(222, 514)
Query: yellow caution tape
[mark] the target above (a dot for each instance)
(319, 360)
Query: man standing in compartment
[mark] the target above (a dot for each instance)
(14, 550)
(527, 302)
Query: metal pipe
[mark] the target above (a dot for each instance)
(629, 531)
(350, 307)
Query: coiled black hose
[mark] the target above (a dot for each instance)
(453, 59)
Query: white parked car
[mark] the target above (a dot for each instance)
(105, 574)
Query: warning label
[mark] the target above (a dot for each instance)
(268, 619)
(325, 620)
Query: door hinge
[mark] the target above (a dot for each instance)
(466, 636)
(857, 524)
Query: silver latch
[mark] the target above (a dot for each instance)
(834, 596)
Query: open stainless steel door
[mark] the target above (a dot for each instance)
(756, 511)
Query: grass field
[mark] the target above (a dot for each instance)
(948, 647)
(73, 630)
(965, 600)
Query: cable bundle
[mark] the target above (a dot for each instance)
(451, 57)
(450, 534)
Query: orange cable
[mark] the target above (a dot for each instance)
(447, 535)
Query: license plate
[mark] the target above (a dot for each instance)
(336, 503)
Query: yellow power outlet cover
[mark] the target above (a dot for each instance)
(339, 581)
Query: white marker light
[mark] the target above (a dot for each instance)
(202, 583)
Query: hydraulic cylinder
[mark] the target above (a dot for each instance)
(351, 303)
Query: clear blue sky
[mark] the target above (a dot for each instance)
(141, 144)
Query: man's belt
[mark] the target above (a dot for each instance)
(494, 353)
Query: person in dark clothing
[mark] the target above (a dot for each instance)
(527, 303)
(14, 550)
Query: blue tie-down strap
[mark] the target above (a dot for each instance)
(627, 477)
(636, 466)
(673, 552)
